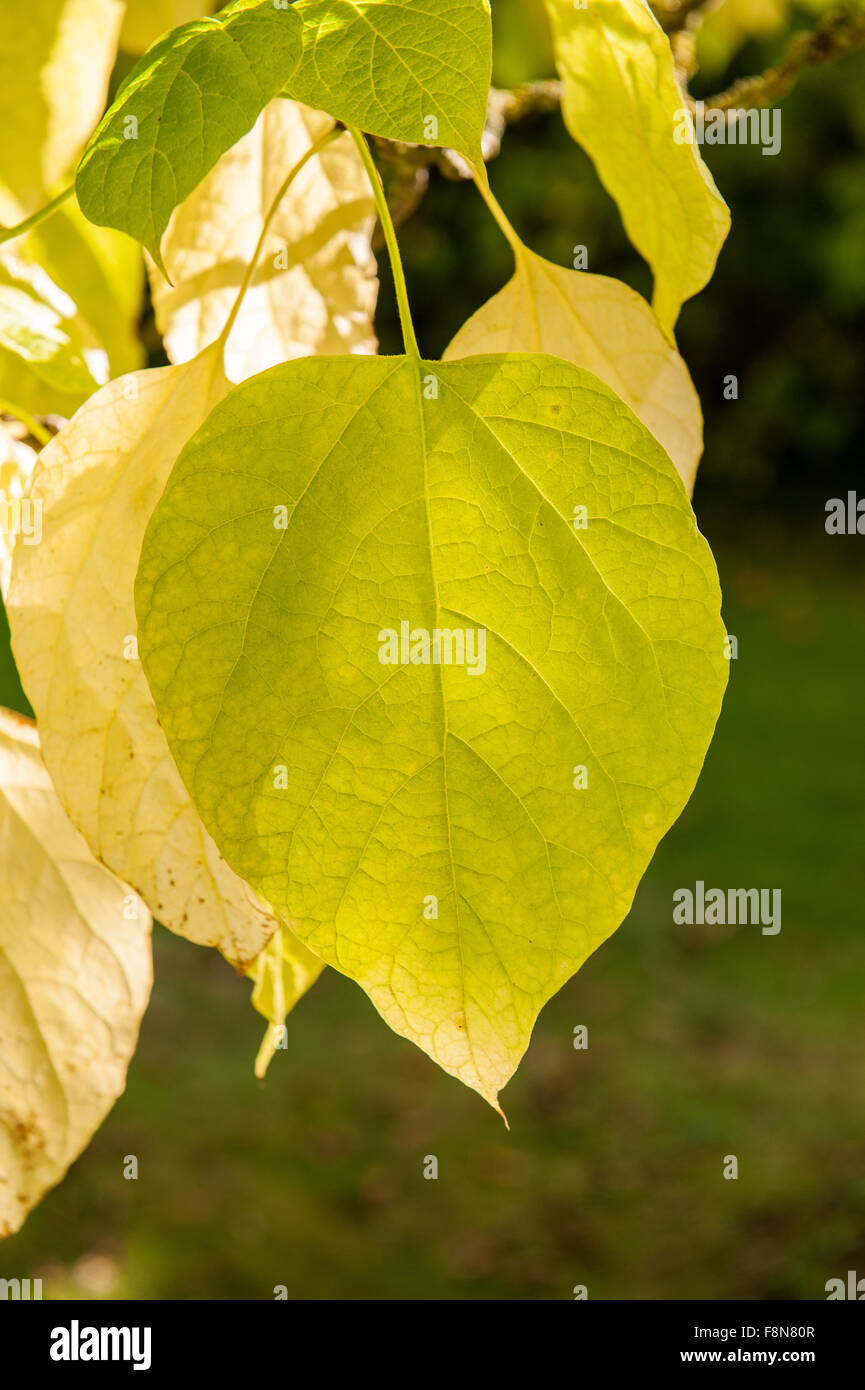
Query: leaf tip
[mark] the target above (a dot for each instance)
(156, 252)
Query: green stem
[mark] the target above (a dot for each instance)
(483, 186)
(408, 334)
(9, 233)
(35, 429)
(315, 148)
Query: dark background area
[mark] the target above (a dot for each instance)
(703, 1042)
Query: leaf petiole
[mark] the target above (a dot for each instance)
(408, 333)
(482, 184)
(9, 233)
(36, 430)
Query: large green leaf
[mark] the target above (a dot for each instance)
(190, 98)
(623, 105)
(418, 825)
(413, 70)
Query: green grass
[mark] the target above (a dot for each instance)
(702, 1042)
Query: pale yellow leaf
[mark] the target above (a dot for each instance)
(602, 325)
(282, 974)
(314, 288)
(146, 20)
(50, 360)
(55, 62)
(622, 104)
(74, 636)
(75, 975)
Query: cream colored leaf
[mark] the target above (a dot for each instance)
(622, 104)
(55, 63)
(315, 285)
(16, 464)
(606, 327)
(74, 636)
(75, 976)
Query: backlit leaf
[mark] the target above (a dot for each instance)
(314, 288)
(56, 58)
(412, 70)
(418, 823)
(75, 974)
(190, 98)
(44, 365)
(602, 325)
(622, 104)
(100, 271)
(103, 272)
(73, 632)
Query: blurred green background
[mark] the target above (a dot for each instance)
(703, 1042)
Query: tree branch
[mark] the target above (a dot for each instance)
(673, 15)
(838, 33)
